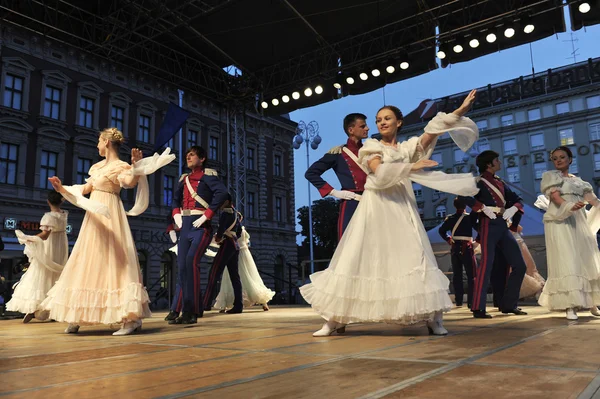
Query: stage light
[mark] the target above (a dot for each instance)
(441, 55)
(337, 85)
(363, 76)
(295, 95)
(458, 48)
(319, 89)
(390, 69)
(285, 99)
(404, 65)
(584, 8)
(490, 38)
(474, 43)
(375, 72)
(509, 32)
(308, 92)
(275, 102)
(350, 80)
(264, 104)
(529, 28)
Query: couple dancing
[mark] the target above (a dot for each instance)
(384, 269)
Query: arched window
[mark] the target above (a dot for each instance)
(440, 211)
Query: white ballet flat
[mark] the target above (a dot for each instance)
(329, 328)
(72, 328)
(436, 326)
(129, 327)
(594, 311)
(571, 314)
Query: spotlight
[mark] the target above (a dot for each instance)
(490, 38)
(295, 95)
(441, 55)
(337, 85)
(509, 32)
(458, 48)
(350, 80)
(404, 65)
(529, 28)
(474, 43)
(286, 99)
(363, 76)
(319, 89)
(390, 69)
(275, 102)
(338, 82)
(584, 8)
(264, 104)
(375, 72)
(308, 92)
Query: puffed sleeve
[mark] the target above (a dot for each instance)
(462, 130)
(48, 222)
(371, 149)
(587, 188)
(551, 182)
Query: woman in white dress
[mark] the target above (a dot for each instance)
(573, 257)
(102, 282)
(254, 290)
(47, 252)
(384, 269)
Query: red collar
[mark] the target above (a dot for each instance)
(488, 176)
(353, 146)
(197, 173)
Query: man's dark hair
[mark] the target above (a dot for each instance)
(459, 203)
(485, 159)
(54, 197)
(351, 119)
(199, 151)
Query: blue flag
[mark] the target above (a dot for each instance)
(174, 120)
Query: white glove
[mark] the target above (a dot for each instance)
(342, 194)
(178, 219)
(510, 212)
(210, 253)
(488, 212)
(173, 236)
(200, 221)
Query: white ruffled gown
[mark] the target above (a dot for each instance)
(571, 247)
(254, 290)
(384, 269)
(46, 261)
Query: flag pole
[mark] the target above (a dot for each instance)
(181, 149)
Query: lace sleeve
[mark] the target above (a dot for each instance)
(48, 222)
(371, 149)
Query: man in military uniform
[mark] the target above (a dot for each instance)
(198, 196)
(461, 226)
(343, 160)
(496, 203)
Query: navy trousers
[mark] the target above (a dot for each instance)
(347, 209)
(495, 236)
(462, 257)
(227, 256)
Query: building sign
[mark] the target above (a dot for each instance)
(26, 225)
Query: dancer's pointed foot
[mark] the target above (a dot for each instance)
(329, 328)
(265, 307)
(436, 326)
(129, 327)
(28, 317)
(72, 328)
(594, 311)
(571, 314)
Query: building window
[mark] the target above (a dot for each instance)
(421, 212)
(278, 209)
(597, 161)
(117, 117)
(593, 102)
(436, 194)
(594, 129)
(537, 141)
(417, 190)
(168, 183)
(213, 148)
(513, 174)
(232, 157)
(485, 146)
(171, 142)
(534, 114)
(8, 163)
(47, 168)
(506, 120)
(83, 166)
(437, 157)
(13, 92)
(52, 102)
(144, 129)
(250, 203)
(566, 136)
(459, 156)
(440, 211)
(562, 108)
(482, 125)
(192, 138)
(250, 158)
(510, 146)
(574, 168)
(86, 112)
(539, 169)
(277, 165)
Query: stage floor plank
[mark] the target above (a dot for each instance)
(273, 355)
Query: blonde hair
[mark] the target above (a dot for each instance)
(114, 135)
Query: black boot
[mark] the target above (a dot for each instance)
(185, 318)
(172, 316)
(235, 310)
(481, 314)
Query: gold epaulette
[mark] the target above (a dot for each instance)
(210, 172)
(336, 150)
(447, 217)
(183, 176)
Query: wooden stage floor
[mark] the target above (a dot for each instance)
(273, 355)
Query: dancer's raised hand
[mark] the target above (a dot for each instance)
(467, 103)
(56, 183)
(136, 155)
(424, 163)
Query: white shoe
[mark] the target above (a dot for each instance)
(129, 327)
(594, 311)
(436, 326)
(329, 328)
(72, 328)
(571, 314)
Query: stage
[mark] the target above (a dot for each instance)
(273, 355)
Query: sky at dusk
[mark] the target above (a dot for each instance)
(508, 64)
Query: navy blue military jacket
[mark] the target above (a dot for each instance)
(226, 219)
(465, 228)
(207, 185)
(350, 175)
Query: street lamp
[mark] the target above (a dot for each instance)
(476, 149)
(308, 134)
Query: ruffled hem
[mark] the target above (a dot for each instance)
(26, 305)
(570, 292)
(83, 306)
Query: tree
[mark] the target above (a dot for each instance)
(325, 233)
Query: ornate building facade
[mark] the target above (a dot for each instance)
(54, 100)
